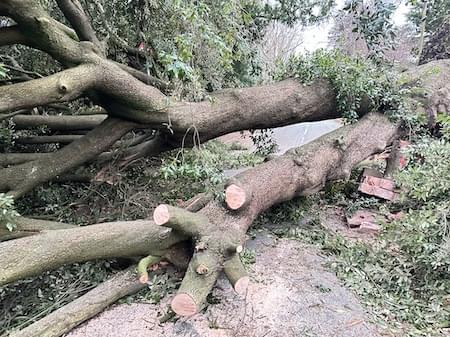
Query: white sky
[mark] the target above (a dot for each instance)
(316, 37)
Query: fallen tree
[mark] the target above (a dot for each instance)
(213, 229)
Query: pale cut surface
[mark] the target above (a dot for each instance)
(184, 305)
(241, 285)
(235, 197)
(161, 215)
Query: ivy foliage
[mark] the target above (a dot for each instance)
(372, 20)
(360, 84)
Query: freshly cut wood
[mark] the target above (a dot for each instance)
(379, 187)
(236, 274)
(194, 289)
(180, 219)
(66, 318)
(184, 305)
(236, 197)
(161, 215)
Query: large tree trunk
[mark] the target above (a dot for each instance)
(302, 171)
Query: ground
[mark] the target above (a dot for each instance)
(292, 294)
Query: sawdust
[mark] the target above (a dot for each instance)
(291, 295)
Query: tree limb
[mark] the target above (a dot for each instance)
(33, 255)
(27, 227)
(64, 86)
(74, 13)
(300, 171)
(18, 180)
(66, 318)
(143, 77)
(12, 35)
(58, 123)
(63, 139)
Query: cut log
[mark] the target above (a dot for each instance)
(184, 305)
(180, 219)
(66, 318)
(236, 274)
(378, 187)
(191, 296)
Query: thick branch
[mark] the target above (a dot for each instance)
(231, 110)
(58, 123)
(300, 171)
(60, 87)
(7, 159)
(27, 227)
(147, 79)
(12, 35)
(33, 255)
(66, 318)
(236, 274)
(63, 139)
(20, 179)
(74, 13)
(180, 220)
(46, 34)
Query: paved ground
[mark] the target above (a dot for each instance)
(291, 295)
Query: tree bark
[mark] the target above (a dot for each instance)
(27, 227)
(12, 35)
(33, 255)
(58, 123)
(66, 318)
(63, 139)
(74, 13)
(17, 180)
(299, 172)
